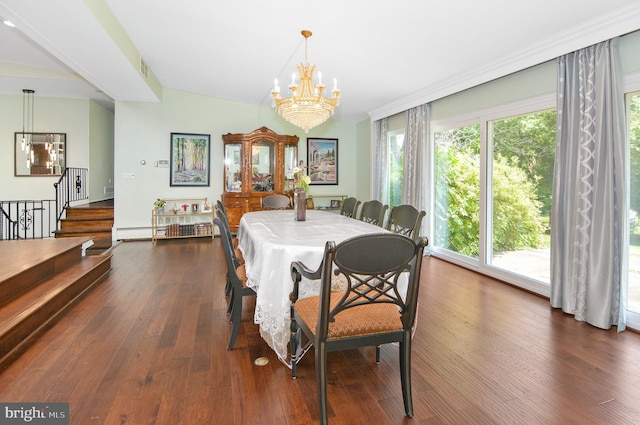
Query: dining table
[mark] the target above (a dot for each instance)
(270, 241)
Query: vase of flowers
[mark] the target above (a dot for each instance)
(300, 204)
(300, 178)
(301, 185)
(159, 204)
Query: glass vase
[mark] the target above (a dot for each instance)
(300, 204)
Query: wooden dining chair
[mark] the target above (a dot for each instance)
(369, 311)
(405, 220)
(349, 207)
(276, 202)
(238, 281)
(234, 245)
(373, 212)
(221, 206)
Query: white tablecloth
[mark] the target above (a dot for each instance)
(270, 241)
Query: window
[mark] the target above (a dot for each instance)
(396, 167)
(523, 149)
(633, 114)
(457, 190)
(493, 179)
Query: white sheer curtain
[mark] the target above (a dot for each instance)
(589, 239)
(415, 184)
(380, 161)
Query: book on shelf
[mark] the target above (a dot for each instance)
(196, 229)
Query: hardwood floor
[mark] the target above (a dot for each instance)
(148, 346)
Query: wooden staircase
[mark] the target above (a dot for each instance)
(39, 280)
(94, 220)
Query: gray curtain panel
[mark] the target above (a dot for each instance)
(414, 187)
(380, 161)
(589, 235)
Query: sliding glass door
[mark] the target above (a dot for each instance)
(522, 149)
(457, 190)
(492, 192)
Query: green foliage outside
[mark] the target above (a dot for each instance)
(523, 159)
(528, 141)
(517, 221)
(457, 205)
(396, 169)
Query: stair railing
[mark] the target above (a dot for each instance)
(27, 219)
(71, 187)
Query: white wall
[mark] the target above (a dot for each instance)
(143, 131)
(101, 153)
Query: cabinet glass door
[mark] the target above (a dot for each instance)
(262, 166)
(290, 162)
(233, 167)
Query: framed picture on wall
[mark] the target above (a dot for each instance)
(190, 154)
(322, 160)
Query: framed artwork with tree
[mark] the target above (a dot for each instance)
(190, 154)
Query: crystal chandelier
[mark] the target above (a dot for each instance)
(306, 108)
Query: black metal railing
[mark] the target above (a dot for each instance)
(72, 186)
(27, 219)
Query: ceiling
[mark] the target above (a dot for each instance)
(386, 56)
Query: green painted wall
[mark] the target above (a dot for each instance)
(143, 131)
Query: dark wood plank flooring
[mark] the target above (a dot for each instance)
(148, 346)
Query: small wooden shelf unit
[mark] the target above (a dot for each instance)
(182, 218)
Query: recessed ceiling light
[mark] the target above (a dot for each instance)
(9, 24)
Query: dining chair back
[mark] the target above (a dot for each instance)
(276, 202)
(221, 206)
(232, 237)
(238, 282)
(237, 257)
(349, 207)
(368, 310)
(405, 220)
(373, 212)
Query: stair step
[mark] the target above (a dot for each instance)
(85, 224)
(87, 234)
(25, 318)
(101, 239)
(91, 212)
(46, 257)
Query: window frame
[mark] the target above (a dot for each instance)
(482, 117)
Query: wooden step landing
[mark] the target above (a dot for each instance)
(39, 281)
(102, 238)
(90, 212)
(93, 220)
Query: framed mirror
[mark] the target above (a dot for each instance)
(40, 154)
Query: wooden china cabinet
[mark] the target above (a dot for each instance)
(256, 164)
